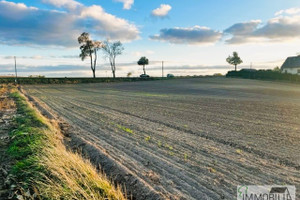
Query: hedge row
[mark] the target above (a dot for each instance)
(72, 80)
(264, 75)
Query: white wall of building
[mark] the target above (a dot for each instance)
(291, 70)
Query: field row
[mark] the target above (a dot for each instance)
(189, 138)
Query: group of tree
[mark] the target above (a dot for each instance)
(89, 48)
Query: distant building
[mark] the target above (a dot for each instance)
(291, 65)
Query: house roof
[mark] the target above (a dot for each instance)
(291, 62)
(279, 190)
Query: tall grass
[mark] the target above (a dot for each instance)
(45, 169)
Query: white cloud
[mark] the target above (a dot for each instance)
(278, 29)
(162, 11)
(283, 28)
(109, 25)
(35, 57)
(69, 4)
(23, 25)
(195, 35)
(149, 52)
(243, 28)
(127, 4)
(290, 11)
(140, 53)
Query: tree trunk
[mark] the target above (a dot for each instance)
(235, 67)
(114, 67)
(95, 63)
(92, 68)
(144, 69)
(94, 73)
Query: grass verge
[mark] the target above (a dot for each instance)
(45, 169)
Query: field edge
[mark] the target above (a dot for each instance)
(44, 168)
(136, 188)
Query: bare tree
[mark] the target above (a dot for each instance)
(89, 48)
(112, 50)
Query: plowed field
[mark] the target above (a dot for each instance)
(189, 138)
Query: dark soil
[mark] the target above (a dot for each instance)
(186, 138)
(6, 180)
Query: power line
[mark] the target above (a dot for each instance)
(16, 78)
(162, 68)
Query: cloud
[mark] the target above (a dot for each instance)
(139, 53)
(290, 11)
(284, 27)
(162, 11)
(243, 28)
(109, 25)
(278, 29)
(190, 67)
(195, 35)
(39, 57)
(41, 69)
(69, 4)
(23, 25)
(127, 4)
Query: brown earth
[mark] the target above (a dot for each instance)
(184, 138)
(7, 112)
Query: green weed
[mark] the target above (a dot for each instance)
(123, 128)
(169, 147)
(147, 138)
(185, 156)
(159, 144)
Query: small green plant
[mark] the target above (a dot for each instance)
(147, 138)
(185, 156)
(159, 144)
(212, 170)
(123, 128)
(239, 151)
(214, 162)
(169, 147)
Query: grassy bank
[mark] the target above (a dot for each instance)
(44, 168)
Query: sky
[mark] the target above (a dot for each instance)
(192, 37)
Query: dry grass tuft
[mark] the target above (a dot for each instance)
(5, 102)
(81, 179)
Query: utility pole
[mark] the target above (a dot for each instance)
(16, 78)
(162, 69)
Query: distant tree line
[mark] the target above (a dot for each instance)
(41, 80)
(264, 75)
